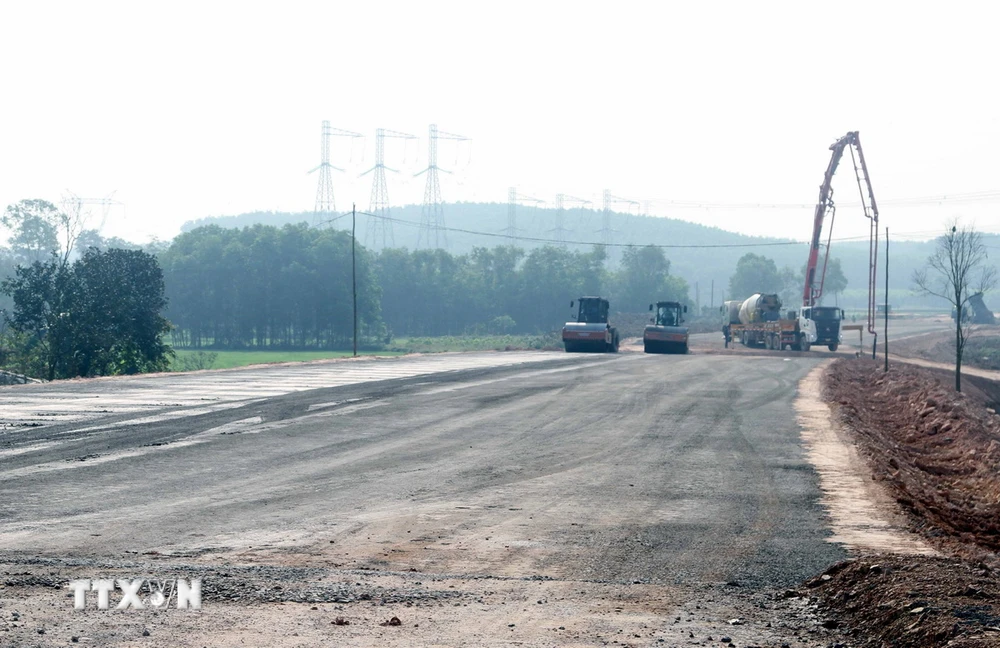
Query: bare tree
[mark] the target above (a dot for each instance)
(957, 270)
(71, 223)
(39, 229)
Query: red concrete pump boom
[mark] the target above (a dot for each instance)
(814, 285)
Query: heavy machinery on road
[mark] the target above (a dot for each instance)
(827, 321)
(665, 334)
(760, 323)
(591, 331)
(801, 330)
(815, 276)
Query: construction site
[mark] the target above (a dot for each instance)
(777, 479)
(674, 360)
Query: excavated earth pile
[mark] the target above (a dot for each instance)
(938, 453)
(914, 602)
(936, 450)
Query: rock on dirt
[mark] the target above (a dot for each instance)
(914, 601)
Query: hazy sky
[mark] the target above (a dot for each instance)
(194, 109)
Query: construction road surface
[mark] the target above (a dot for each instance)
(447, 486)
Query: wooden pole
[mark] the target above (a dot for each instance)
(354, 277)
(885, 338)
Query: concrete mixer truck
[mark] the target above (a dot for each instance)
(759, 322)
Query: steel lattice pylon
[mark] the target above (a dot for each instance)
(513, 198)
(560, 230)
(607, 234)
(432, 228)
(379, 226)
(325, 203)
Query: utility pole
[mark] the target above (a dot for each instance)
(432, 215)
(379, 226)
(325, 204)
(697, 298)
(354, 276)
(885, 337)
(711, 303)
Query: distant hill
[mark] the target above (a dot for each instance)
(484, 224)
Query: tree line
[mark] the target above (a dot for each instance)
(80, 304)
(268, 287)
(756, 273)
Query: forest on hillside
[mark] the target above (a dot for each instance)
(701, 267)
(235, 286)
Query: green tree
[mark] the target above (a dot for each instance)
(266, 287)
(754, 274)
(100, 316)
(644, 277)
(835, 281)
(35, 229)
(41, 293)
(551, 278)
(91, 238)
(118, 328)
(791, 286)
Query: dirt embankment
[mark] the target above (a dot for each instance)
(937, 453)
(914, 602)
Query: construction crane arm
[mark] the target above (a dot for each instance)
(813, 289)
(811, 292)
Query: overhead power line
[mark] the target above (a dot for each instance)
(971, 197)
(538, 239)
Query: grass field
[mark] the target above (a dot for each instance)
(193, 359)
(982, 352)
(189, 359)
(474, 343)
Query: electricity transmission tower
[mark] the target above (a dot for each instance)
(560, 230)
(607, 234)
(432, 215)
(325, 204)
(73, 206)
(512, 200)
(379, 227)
